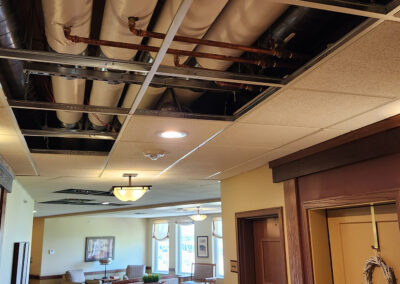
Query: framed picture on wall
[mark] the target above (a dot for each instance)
(99, 248)
(202, 246)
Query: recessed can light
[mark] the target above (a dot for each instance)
(172, 134)
(105, 203)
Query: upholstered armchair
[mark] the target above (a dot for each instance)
(135, 272)
(201, 271)
(78, 277)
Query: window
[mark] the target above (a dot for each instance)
(185, 248)
(218, 248)
(161, 248)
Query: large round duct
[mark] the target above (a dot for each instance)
(115, 28)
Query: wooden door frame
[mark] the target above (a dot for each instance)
(301, 267)
(244, 240)
(3, 199)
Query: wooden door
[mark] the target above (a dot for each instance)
(269, 252)
(351, 237)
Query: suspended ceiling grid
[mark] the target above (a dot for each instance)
(350, 88)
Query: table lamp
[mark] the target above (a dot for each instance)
(105, 262)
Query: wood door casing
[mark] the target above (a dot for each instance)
(273, 246)
(269, 262)
(351, 237)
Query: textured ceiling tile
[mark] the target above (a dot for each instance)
(369, 66)
(19, 163)
(304, 108)
(211, 159)
(258, 135)
(315, 138)
(11, 144)
(131, 155)
(370, 117)
(146, 128)
(68, 165)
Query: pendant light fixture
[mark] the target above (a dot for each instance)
(198, 216)
(130, 192)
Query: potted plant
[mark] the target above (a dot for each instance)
(151, 278)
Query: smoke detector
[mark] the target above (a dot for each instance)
(154, 156)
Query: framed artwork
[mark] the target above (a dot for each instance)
(99, 248)
(202, 246)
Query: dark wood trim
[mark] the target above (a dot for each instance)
(3, 200)
(351, 200)
(261, 213)
(48, 277)
(374, 146)
(380, 126)
(244, 232)
(293, 231)
(398, 207)
(58, 276)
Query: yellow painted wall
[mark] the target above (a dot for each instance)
(66, 236)
(17, 227)
(248, 191)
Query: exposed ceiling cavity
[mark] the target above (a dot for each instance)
(86, 61)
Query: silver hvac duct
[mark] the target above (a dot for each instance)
(197, 21)
(76, 14)
(115, 28)
(12, 70)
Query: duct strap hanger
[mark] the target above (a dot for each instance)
(375, 246)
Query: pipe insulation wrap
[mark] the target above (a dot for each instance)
(68, 91)
(199, 18)
(241, 22)
(76, 14)
(115, 27)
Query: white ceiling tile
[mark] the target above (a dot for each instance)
(146, 128)
(68, 165)
(131, 155)
(370, 117)
(315, 138)
(11, 144)
(369, 66)
(304, 108)
(6, 124)
(258, 135)
(211, 159)
(19, 163)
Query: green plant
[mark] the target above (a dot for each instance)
(151, 278)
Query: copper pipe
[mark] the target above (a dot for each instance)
(77, 39)
(143, 33)
(239, 86)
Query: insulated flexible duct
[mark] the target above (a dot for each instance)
(12, 70)
(77, 15)
(241, 22)
(197, 21)
(115, 28)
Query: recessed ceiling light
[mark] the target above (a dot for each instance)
(105, 203)
(172, 134)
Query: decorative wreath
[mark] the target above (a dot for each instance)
(387, 271)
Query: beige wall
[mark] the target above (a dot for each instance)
(66, 236)
(203, 228)
(17, 227)
(249, 191)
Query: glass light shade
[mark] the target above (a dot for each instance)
(129, 193)
(105, 261)
(198, 217)
(172, 134)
